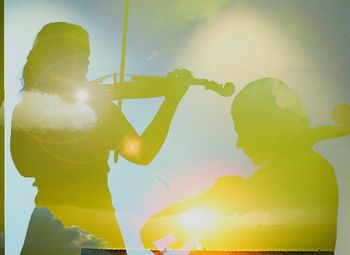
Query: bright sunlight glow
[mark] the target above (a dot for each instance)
(199, 246)
(82, 95)
(197, 219)
(131, 146)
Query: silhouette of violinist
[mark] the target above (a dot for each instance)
(64, 142)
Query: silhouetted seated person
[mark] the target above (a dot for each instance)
(65, 143)
(290, 203)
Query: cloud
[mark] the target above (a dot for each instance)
(47, 236)
(42, 111)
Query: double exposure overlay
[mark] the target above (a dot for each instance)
(175, 127)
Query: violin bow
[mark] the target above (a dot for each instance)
(122, 60)
(123, 53)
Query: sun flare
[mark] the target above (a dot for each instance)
(197, 219)
(82, 95)
(132, 146)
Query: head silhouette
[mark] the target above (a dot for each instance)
(269, 119)
(58, 60)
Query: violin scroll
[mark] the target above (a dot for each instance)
(228, 89)
(141, 86)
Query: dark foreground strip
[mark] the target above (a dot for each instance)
(123, 252)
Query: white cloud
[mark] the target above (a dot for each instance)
(42, 111)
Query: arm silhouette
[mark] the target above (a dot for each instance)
(142, 149)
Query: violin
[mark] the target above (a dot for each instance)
(142, 86)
